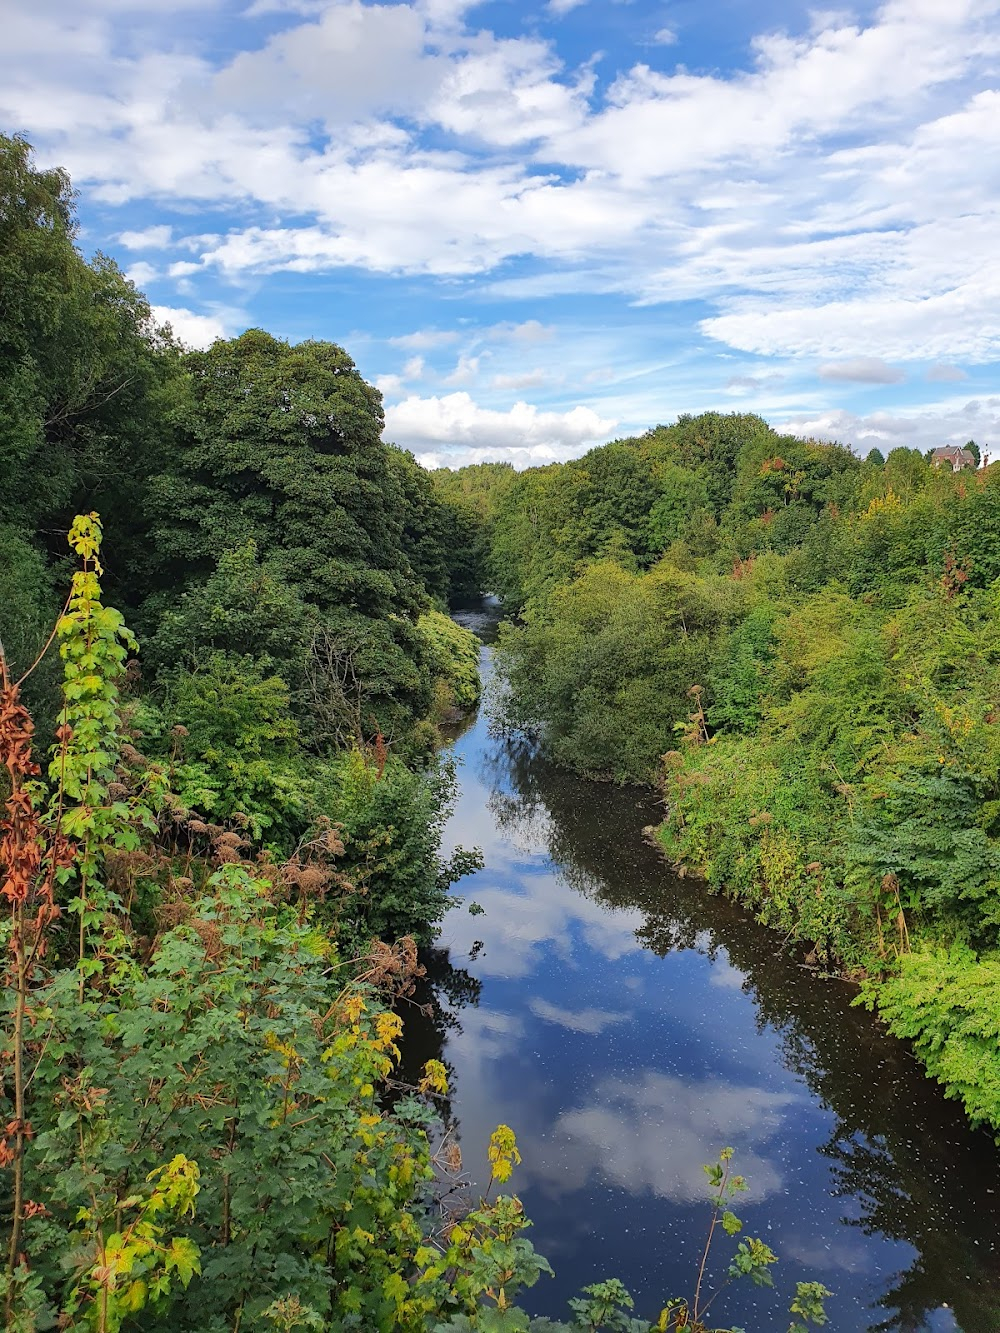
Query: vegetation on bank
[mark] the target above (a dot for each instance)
(803, 649)
(219, 850)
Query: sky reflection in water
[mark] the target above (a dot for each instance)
(629, 1026)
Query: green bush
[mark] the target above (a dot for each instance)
(452, 657)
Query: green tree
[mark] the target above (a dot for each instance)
(281, 448)
(86, 382)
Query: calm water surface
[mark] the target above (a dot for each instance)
(627, 1025)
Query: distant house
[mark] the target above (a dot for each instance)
(956, 458)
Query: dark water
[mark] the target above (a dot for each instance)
(628, 1026)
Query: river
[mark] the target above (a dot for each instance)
(628, 1025)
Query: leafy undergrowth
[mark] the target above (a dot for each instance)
(947, 1003)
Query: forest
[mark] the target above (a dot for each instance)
(225, 663)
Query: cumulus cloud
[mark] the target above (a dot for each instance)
(519, 929)
(455, 422)
(192, 329)
(140, 273)
(862, 370)
(354, 60)
(157, 237)
(466, 370)
(392, 385)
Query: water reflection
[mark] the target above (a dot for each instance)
(629, 1026)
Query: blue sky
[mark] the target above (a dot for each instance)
(537, 227)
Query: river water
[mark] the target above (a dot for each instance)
(628, 1025)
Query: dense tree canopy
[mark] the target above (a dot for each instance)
(84, 376)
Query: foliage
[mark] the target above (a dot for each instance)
(234, 746)
(469, 499)
(251, 504)
(602, 671)
(84, 375)
(947, 1002)
(90, 806)
(281, 458)
(391, 819)
(452, 657)
(243, 608)
(28, 606)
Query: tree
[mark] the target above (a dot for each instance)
(281, 447)
(85, 378)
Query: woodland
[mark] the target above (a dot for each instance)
(225, 662)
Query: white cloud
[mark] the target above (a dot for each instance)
(157, 237)
(466, 371)
(530, 331)
(726, 977)
(520, 928)
(862, 370)
(425, 340)
(665, 37)
(353, 60)
(833, 200)
(523, 434)
(392, 385)
(651, 1133)
(141, 273)
(192, 329)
